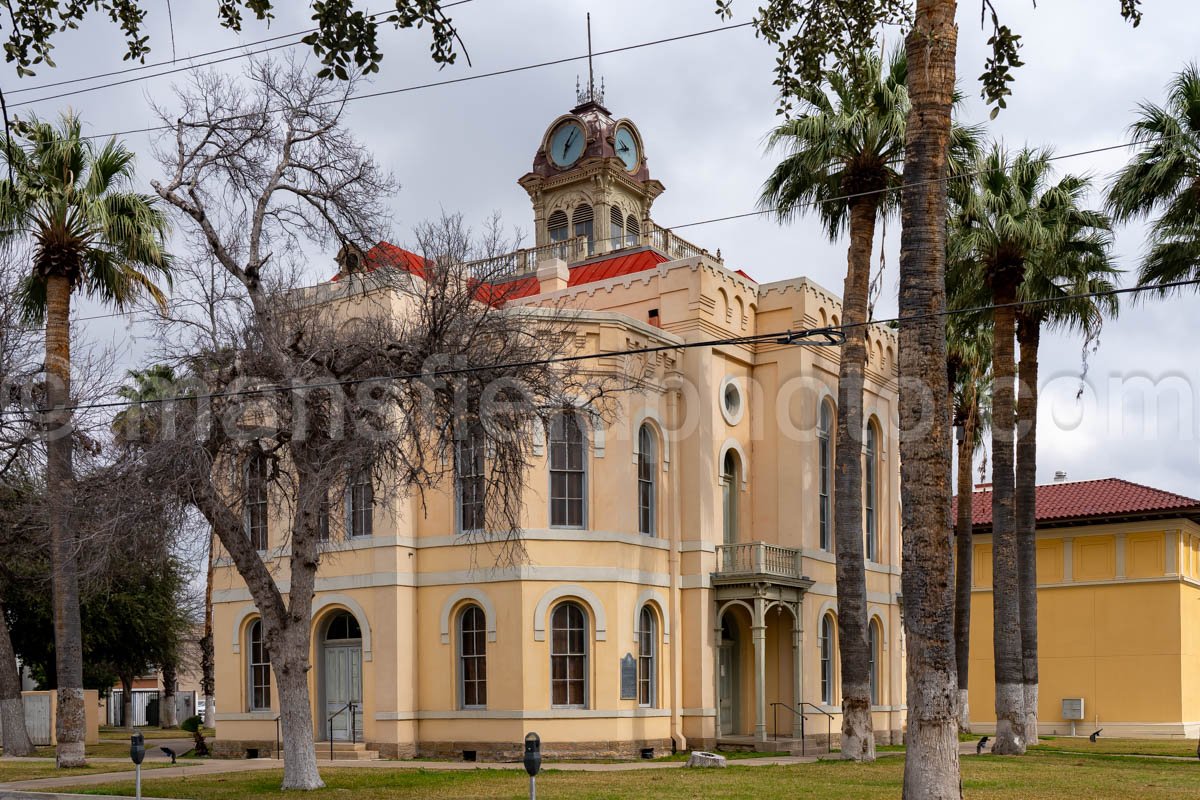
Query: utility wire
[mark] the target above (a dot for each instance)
(832, 335)
(447, 82)
(172, 62)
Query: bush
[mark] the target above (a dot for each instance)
(192, 724)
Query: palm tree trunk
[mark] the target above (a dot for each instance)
(858, 739)
(12, 708)
(1028, 336)
(1006, 608)
(931, 769)
(127, 702)
(963, 532)
(168, 709)
(70, 725)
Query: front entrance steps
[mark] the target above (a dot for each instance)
(809, 746)
(346, 751)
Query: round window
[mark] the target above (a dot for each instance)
(731, 401)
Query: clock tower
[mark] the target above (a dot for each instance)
(589, 181)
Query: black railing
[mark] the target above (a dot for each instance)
(828, 726)
(277, 753)
(348, 707)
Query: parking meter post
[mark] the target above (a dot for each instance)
(137, 752)
(533, 761)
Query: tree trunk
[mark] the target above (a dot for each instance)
(295, 717)
(854, 649)
(127, 702)
(168, 709)
(963, 532)
(12, 707)
(1028, 336)
(70, 724)
(207, 665)
(1006, 608)
(931, 769)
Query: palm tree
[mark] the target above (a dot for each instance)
(71, 200)
(842, 159)
(1164, 177)
(1015, 223)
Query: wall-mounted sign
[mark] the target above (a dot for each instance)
(628, 677)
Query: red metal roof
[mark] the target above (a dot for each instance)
(1106, 497)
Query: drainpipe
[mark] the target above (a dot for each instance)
(679, 741)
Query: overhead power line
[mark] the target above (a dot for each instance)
(829, 335)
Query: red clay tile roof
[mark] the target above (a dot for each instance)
(387, 254)
(1106, 497)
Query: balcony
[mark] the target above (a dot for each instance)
(759, 562)
(580, 248)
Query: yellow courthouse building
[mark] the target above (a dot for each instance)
(1118, 568)
(679, 585)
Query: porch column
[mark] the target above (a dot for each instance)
(797, 671)
(718, 640)
(759, 635)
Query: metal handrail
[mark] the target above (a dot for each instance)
(277, 755)
(775, 720)
(349, 705)
(828, 725)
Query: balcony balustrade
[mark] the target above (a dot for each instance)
(758, 561)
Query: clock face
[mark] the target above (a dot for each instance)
(566, 143)
(627, 149)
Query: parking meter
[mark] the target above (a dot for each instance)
(533, 761)
(137, 752)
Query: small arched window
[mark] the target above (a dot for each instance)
(361, 506)
(568, 656)
(472, 657)
(633, 231)
(256, 500)
(582, 223)
(874, 636)
(259, 667)
(469, 452)
(871, 491)
(825, 475)
(568, 472)
(826, 645)
(616, 228)
(557, 226)
(647, 676)
(647, 460)
(729, 496)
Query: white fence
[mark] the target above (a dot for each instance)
(145, 707)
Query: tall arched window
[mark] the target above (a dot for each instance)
(647, 676)
(361, 506)
(582, 221)
(259, 668)
(568, 472)
(729, 496)
(557, 226)
(873, 635)
(472, 657)
(469, 476)
(826, 645)
(647, 460)
(871, 491)
(825, 475)
(323, 520)
(568, 656)
(616, 228)
(256, 500)
(632, 231)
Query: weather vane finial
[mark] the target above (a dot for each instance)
(590, 94)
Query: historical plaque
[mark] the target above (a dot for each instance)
(628, 677)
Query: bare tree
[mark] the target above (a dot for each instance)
(378, 372)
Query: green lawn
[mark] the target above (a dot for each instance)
(1039, 776)
(1141, 747)
(121, 734)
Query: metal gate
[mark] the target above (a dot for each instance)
(37, 718)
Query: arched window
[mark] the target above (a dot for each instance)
(568, 472)
(825, 475)
(323, 520)
(874, 636)
(581, 221)
(557, 226)
(568, 657)
(871, 491)
(647, 675)
(616, 225)
(256, 500)
(633, 231)
(468, 464)
(729, 496)
(472, 657)
(361, 508)
(647, 461)
(259, 679)
(826, 645)
(343, 627)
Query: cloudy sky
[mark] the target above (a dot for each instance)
(703, 105)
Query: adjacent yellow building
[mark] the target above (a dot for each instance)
(1118, 610)
(679, 585)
